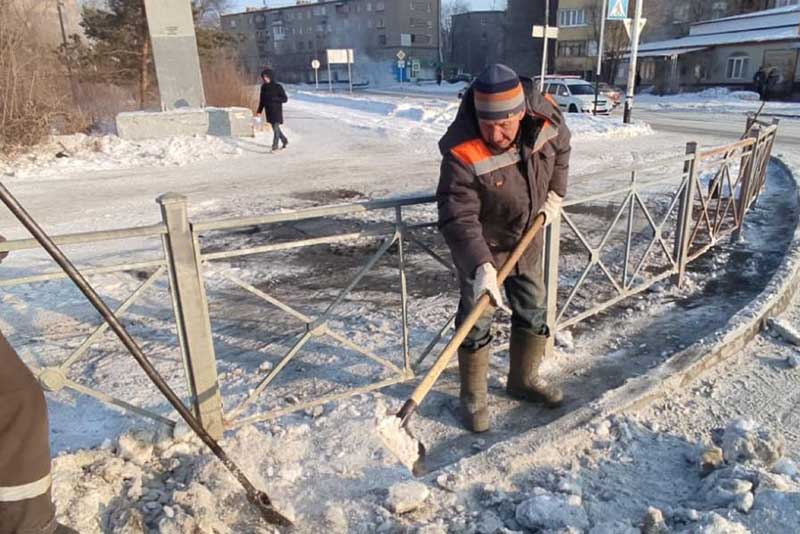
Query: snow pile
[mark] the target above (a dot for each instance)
(431, 88)
(88, 152)
(437, 115)
(436, 112)
(717, 100)
(584, 127)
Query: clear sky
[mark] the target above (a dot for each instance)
(240, 5)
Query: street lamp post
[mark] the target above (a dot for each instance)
(635, 30)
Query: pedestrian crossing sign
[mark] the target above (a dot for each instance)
(618, 10)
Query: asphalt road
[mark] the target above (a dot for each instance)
(692, 123)
(714, 124)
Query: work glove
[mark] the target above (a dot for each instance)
(551, 207)
(486, 282)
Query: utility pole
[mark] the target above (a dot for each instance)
(544, 43)
(60, 5)
(600, 45)
(635, 30)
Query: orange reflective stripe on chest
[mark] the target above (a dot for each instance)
(477, 156)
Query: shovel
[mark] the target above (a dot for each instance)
(394, 431)
(258, 498)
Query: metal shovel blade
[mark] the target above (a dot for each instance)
(398, 439)
(261, 501)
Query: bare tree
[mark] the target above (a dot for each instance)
(616, 40)
(208, 12)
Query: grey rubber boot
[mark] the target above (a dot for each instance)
(524, 382)
(473, 367)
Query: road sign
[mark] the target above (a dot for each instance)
(538, 32)
(315, 64)
(401, 55)
(415, 66)
(618, 10)
(401, 64)
(341, 56)
(629, 22)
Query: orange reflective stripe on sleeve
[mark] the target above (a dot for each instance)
(550, 98)
(471, 152)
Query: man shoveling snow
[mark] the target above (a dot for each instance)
(506, 159)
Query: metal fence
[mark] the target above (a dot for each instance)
(604, 248)
(669, 213)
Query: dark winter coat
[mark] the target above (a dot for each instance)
(486, 202)
(25, 498)
(273, 97)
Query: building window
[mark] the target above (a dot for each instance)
(737, 67)
(784, 3)
(233, 23)
(381, 24)
(369, 6)
(719, 9)
(648, 71)
(278, 32)
(382, 40)
(379, 6)
(572, 48)
(301, 45)
(571, 17)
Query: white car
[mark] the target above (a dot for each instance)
(574, 95)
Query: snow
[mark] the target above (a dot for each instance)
(80, 152)
(427, 87)
(762, 26)
(328, 466)
(717, 100)
(436, 115)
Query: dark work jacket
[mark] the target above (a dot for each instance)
(25, 503)
(273, 97)
(487, 201)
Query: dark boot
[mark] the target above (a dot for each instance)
(63, 529)
(524, 382)
(473, 367)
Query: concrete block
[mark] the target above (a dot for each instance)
(222, 122)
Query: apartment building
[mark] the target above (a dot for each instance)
(288, 39)
(578, 35)
(477, 40)
(521, 51)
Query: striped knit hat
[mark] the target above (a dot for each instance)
(498, 93)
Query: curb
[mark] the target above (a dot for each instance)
(679, 370)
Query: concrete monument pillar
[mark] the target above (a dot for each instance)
(172, 35)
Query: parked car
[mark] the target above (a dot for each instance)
(614, 94)
(575, 95)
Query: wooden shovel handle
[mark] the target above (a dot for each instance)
(483, 303)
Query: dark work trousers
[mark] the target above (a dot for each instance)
(278, 136)
(526, 295)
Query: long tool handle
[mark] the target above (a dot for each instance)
(483, 303)
(257, 497)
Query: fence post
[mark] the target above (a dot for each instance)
(401, 257)
(684, 222)
(552, 249)
(191, 314)
(748, 178)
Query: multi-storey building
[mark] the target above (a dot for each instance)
(578, 35)
(522, 52)
(477, 40)
(288, 39)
